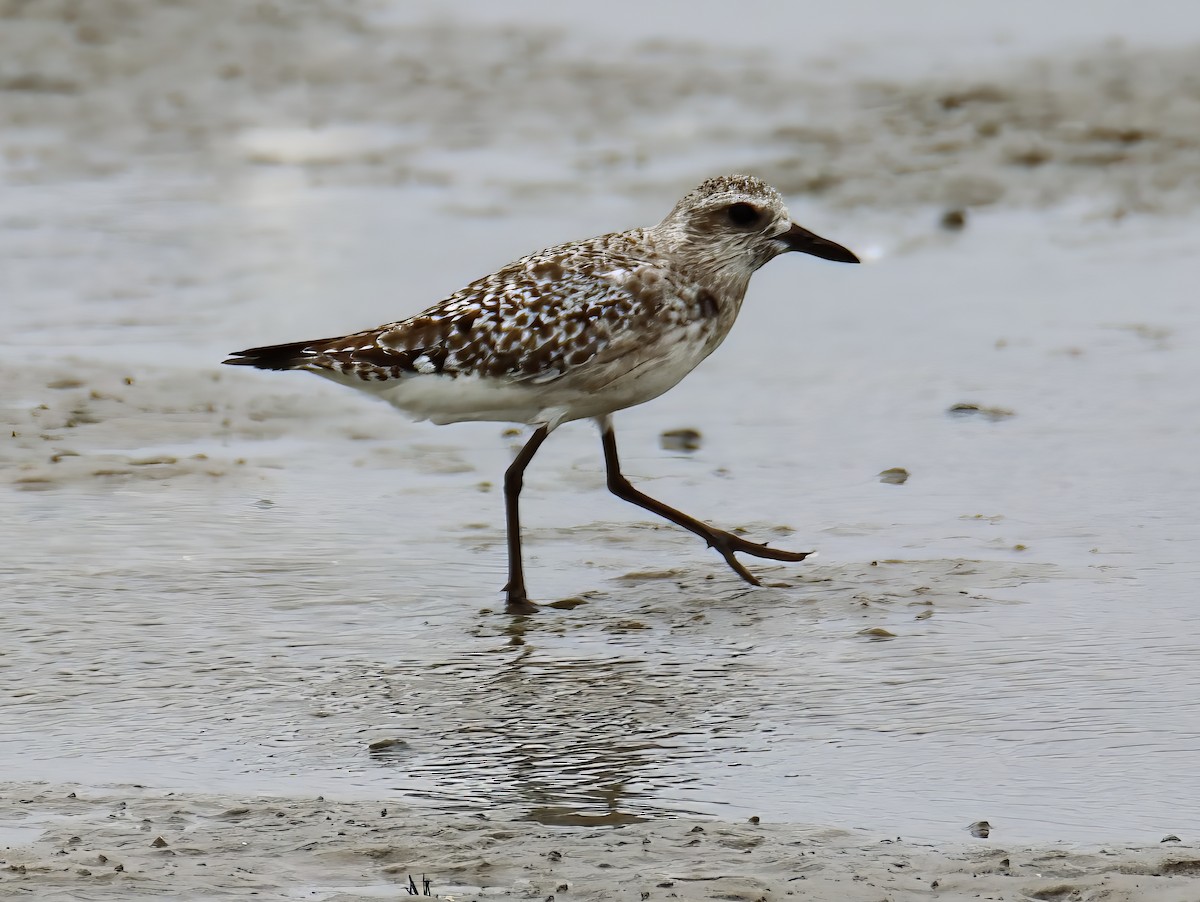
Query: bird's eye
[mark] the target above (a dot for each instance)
(742, 214)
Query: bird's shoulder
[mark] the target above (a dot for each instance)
(565, 281)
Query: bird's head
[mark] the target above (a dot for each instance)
(731, 225)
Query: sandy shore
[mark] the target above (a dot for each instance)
(127, 843)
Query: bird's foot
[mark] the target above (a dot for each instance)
(517, 602)
(728, 544)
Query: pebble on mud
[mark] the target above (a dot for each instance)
(991, 413)
(687, 440)
(893, 476)
(567, 604)
(877, 633)
(387, 746)
(954, 220)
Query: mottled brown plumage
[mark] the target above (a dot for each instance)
(574, 331)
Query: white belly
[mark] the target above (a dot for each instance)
(591, 390)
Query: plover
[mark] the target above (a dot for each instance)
(576, 331)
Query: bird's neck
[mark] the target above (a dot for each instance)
(716, 268)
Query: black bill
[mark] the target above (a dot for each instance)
(798, 238)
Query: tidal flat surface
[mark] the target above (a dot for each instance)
(235, 582)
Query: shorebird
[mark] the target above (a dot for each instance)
(576, 331)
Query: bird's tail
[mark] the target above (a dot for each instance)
(278, 357)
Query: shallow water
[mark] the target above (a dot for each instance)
(227, 581)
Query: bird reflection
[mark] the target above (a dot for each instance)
(576, 737)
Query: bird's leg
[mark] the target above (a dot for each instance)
(514, 477)
(725, 542)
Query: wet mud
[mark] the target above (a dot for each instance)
(349, 95)
(132, 843)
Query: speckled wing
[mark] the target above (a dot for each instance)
(537, 319)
